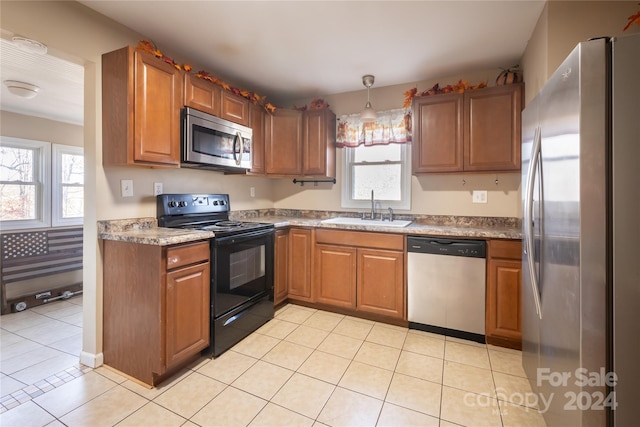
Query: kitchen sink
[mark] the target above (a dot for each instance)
(366, 222)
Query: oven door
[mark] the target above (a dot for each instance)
(242, 269)
(215, 142)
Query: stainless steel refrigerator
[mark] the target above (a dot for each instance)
(581, 246)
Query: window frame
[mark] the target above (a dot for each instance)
(405, 183)
(41, 170)
(57, 186)
(48, 183)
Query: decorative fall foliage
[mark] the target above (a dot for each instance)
(149, 47)
(633, 19)
(459, 87)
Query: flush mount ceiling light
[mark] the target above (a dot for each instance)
(22, 89)
(29, 45)
(368, 114)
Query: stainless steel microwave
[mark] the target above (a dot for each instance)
(209, 142)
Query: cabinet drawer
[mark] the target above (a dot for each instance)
(361, 239)
(178, 256)
(507, 249)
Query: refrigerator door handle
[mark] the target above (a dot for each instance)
(528, 214)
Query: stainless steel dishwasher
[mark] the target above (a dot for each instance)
(446, 286)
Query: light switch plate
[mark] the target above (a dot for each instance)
(157, 188)
(126, 187)
(479, 196)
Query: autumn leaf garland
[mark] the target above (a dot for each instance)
(149, 47)
(459, 87)
(633, 19)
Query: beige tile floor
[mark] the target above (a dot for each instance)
(40, 343)
(307, 368)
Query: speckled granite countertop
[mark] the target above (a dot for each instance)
(146, 231)
(416, 228)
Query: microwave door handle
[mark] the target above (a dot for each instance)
(237, 141)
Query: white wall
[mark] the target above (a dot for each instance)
(564, 24)
(39, 129)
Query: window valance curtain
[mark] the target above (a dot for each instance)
(391, 127)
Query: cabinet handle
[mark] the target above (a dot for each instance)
(174, 260)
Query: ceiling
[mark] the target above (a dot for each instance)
(291, 50)
(61, 83)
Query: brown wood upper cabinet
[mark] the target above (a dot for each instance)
(283, 142)
(210, 98)
(202, 95)
(478, 131)
(172, 284)
(257, 122)
(504, 297)
(300, 143)
(235, 108)
(319, 143)
(141, 100)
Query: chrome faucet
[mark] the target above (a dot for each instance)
(373, 206)
(390, 215)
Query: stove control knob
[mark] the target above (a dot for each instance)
(182, 204)
(172, 204)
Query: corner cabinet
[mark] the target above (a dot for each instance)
(319, 143)
(283, 142)
(300, 143)
(504, 297)
(141, 101)
(156, 307)
(478, 131)
(281, 261)
(361, 271)
(300, 264)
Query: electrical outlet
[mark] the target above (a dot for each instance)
(479, 197)
(252, 191)
(157, 188)
(126, 188)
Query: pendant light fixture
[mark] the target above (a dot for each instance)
(368, 114)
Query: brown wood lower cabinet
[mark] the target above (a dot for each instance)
(504, 297)
(280, 271)
(360, 270)
(299, 271)
(156, 307)
(335, 275)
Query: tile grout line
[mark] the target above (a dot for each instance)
(39, 388)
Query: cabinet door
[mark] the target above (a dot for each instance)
(492, 128)
(319, 150)
(437, 133)
(300, 264)
(187, 313)
(335, 276)
(504, 315)
(283, 143)
(157, 102)
(201, 95)
(257, 124)
(281, 260)
(381, 282)
(234, 108)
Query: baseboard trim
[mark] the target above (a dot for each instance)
(91, 360)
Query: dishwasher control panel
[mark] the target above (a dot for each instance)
(453, 247)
